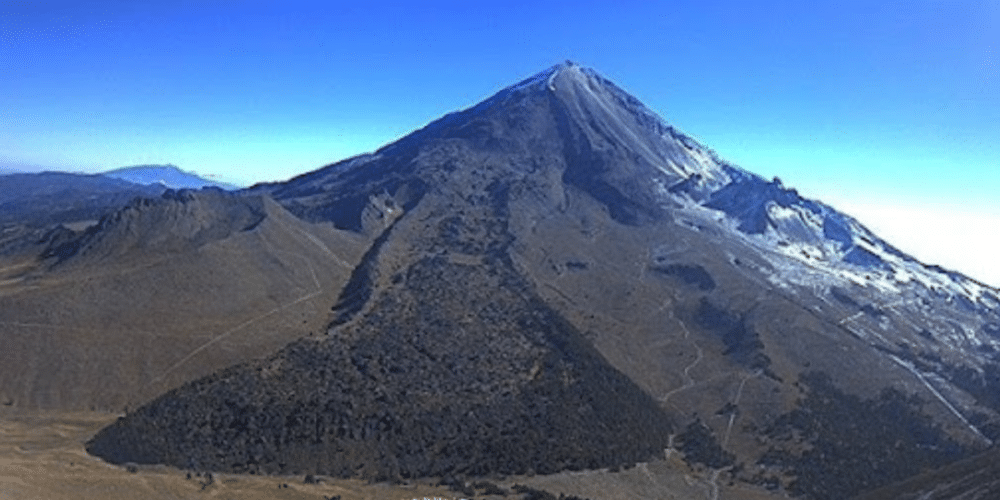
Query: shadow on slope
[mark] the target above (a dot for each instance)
(975, 478)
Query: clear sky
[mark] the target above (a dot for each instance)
(889, 110)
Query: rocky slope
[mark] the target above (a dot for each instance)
(558, 279)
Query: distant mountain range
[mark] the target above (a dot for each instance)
(38, 199)
(30, 202)
(551, 280)
(167, 175)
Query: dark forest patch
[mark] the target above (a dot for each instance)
(844, 297)
(699, 445)
(689, 274)
(855, 445)
(740, 340)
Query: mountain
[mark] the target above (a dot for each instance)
(42, 198)
(168, 176)
(553, 279)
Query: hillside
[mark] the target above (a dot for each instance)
(975, 478)
(160, 292)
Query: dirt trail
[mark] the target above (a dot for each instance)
(689, 381)
(736, 402)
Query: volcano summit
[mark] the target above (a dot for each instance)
(556, 279)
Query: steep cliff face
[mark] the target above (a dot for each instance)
(555, 278)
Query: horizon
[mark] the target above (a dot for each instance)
(887, 112)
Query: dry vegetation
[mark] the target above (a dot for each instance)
(42, 456)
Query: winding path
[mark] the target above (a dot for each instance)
(712, 482)
(688, 380)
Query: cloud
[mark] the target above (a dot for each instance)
(963, 238)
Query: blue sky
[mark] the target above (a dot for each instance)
(881, 108)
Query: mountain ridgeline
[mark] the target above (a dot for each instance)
(167, 176)
(556, 279)
(40, 199)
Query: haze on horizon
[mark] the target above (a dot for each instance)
(887, 110)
